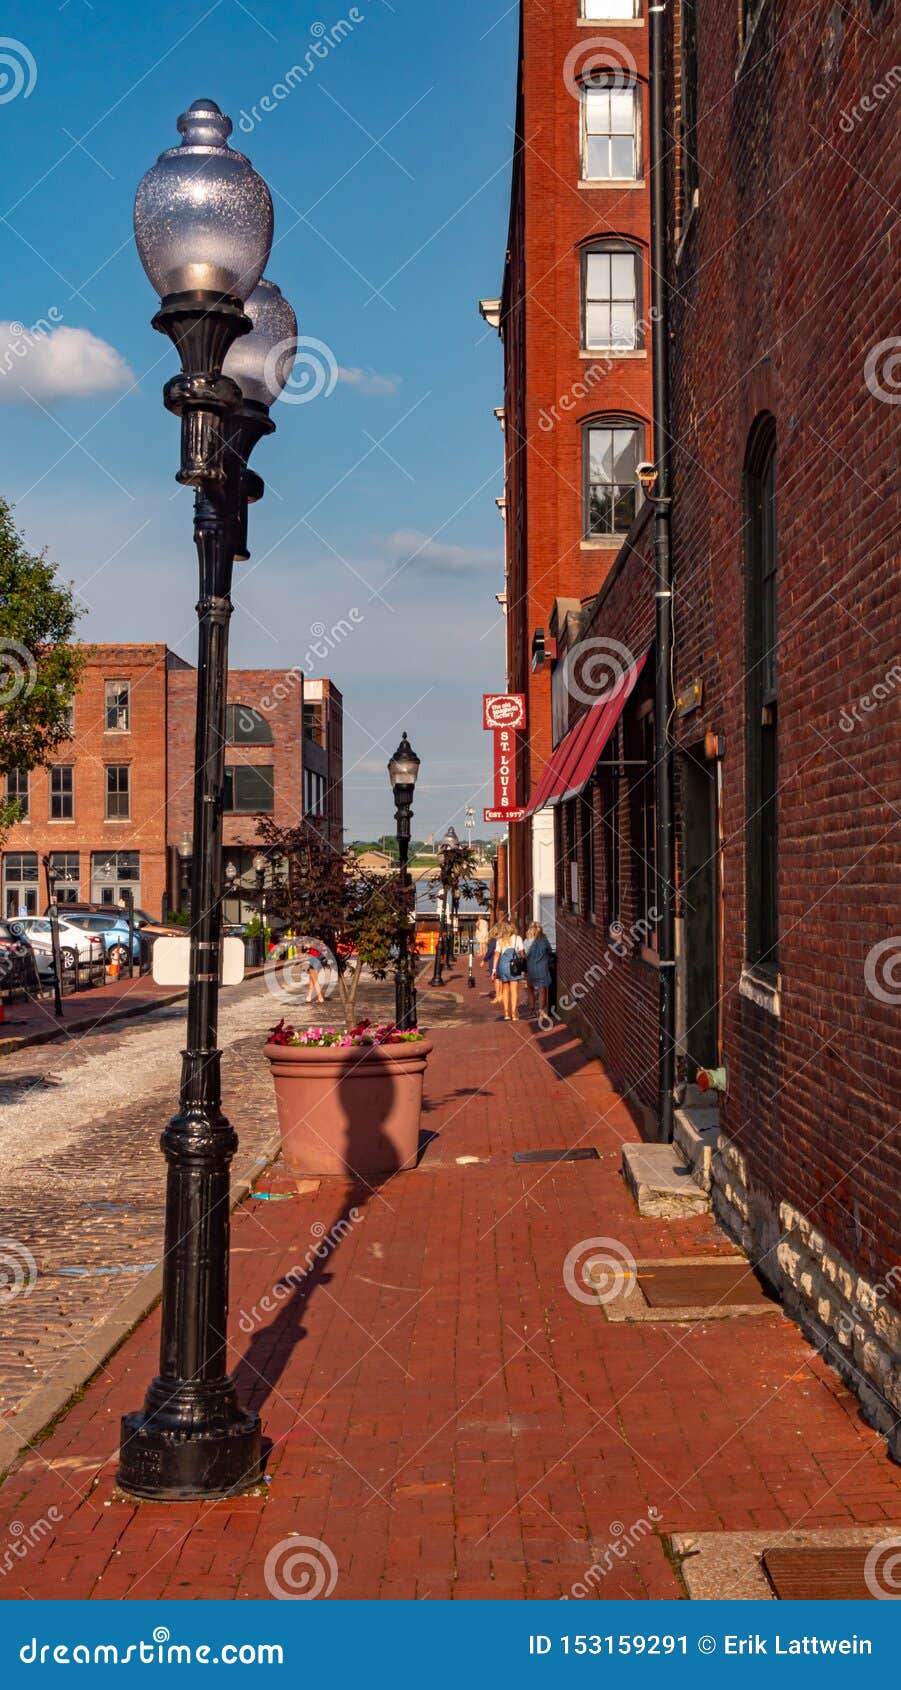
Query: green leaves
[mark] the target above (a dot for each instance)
(39, 666)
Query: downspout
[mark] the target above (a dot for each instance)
(663, 693)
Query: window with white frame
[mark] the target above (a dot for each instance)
(610, 149)
(118, 792)
(117, 706)
(62, 792)
(612, 450)
(610, 298)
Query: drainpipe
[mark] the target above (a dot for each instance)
(663, 694)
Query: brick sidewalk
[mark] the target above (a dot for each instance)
(445, 1417)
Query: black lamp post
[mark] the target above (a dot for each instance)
(203, 225)
(184, 851)
(450, 842)
(53, 911)
(402, 772)
(260, 864)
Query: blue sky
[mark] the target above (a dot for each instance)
(389, 167)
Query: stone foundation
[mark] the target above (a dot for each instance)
(846, 1317)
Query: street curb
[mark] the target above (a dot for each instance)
(87, 1025)
(47, 1405)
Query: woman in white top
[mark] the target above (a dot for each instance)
(506, 971)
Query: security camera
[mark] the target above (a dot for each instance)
(647, 474)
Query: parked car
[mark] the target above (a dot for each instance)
(75, 946)
(18, 961)
(142, 919)
(113, 931)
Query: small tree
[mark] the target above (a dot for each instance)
(457, 872)
(324, 896)
(39, 667)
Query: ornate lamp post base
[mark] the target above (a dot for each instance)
(163, 1465)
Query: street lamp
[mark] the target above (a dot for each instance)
(184, 850)
(260, 864)
(449, 843)
(402, 772)
(203, 226)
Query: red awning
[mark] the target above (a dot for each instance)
(572, 762)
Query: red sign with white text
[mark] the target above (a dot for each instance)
(503, 710)
(505, 794)
(503, 815)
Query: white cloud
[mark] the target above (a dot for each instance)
(61, 363)
(369, 382)
(409, 549)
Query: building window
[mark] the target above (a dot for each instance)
(610, 299)
(313, 723)
(689, 116)
(609, 9)
(20, 883)
(17, 791)
(313, 793)
(118, 792)
(62, 792)
(117, 706)
(644, 811)
(112, 874)
(245, 726)
(761, 778)
(612, 451)
(586, 853)
(610, 129)
(249, 789)
(66, 866)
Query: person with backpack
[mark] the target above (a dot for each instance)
(508, 967)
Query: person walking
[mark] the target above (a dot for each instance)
(508, 967)
(488, 960)
(315, 962)
(538, 968)
(481, 935)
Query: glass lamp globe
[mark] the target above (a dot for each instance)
(404, 765)
(450, 841)
(261, 362)
(203, 217)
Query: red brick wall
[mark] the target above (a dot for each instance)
(551, 217)
(278, 696)
(787, 280)
(143, 748)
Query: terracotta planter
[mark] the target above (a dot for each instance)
(353, 1111)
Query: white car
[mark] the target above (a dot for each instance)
(75, 945)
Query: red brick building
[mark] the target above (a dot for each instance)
(574, 318)
(113, 812)
(782, 276)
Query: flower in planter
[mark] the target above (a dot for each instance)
(321, 1038)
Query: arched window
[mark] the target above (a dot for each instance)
(245, 726)
(612, 449)
(761, 638)
(610, 128)
(611, 297)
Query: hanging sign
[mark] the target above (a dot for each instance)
(503, 710)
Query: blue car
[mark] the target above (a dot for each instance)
(113, 930)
